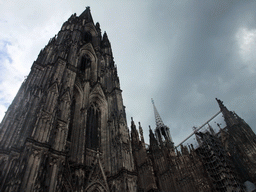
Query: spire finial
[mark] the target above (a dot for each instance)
(141, 135)
(152, 138)
(132, 122)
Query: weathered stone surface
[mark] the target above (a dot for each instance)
(66, 130)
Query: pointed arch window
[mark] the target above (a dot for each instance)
(85, 63)
(87, 37)
(93, 127)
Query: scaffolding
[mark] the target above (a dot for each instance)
(218, 164)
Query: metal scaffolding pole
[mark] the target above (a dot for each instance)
(199, 128)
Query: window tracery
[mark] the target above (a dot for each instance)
(93, 126)
(85, 63)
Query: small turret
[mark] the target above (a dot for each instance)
(141, 135)
(211, 129)
(184, 150)
(105, 42)
(152, 139)
(134, 134)
(178, 152)
(97, 26)
(106, 50)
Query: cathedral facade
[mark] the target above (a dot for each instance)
(66, 130)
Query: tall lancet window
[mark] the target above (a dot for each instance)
(93, 127)
(87, 37)
(71, 123)
(85, 63)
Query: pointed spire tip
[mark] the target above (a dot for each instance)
(221, 105)
(159, 121)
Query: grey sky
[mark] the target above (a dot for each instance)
(181, 53)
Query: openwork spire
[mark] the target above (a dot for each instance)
(162, 132)
(159, 122)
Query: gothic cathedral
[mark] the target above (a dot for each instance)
(66, 131)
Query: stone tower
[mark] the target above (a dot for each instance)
(240, 141)
(66, 129)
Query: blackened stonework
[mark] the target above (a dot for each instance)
(223, 161)
(240, 142)
(66, 131)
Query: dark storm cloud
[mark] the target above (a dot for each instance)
(203, 60)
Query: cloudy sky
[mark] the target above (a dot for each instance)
(181, 53)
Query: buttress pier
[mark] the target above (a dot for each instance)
(66, 129)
